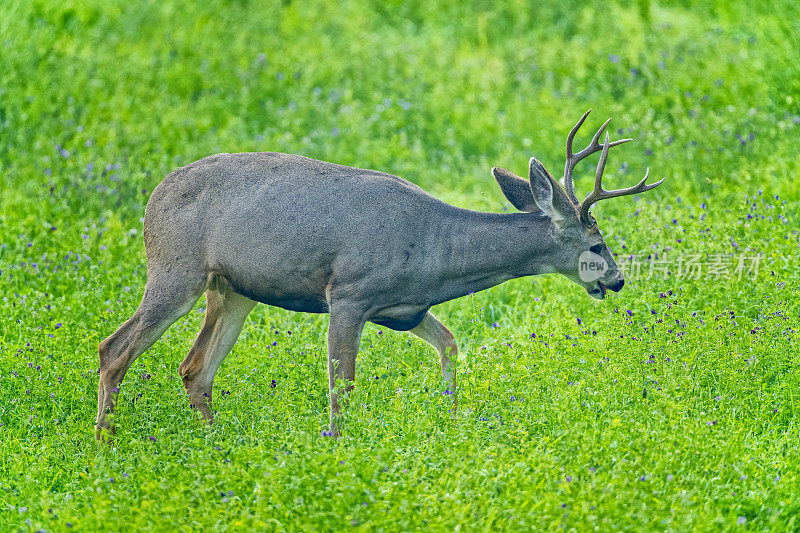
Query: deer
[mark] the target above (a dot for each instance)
(360, 245)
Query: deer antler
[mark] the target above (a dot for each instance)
(599, 193)
(573, 159)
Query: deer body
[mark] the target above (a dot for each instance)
(311, 236)
(297, 233)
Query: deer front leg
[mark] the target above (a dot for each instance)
(344, 335)
(437, 335)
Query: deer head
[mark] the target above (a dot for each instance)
(583, 255)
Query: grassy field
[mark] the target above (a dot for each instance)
(673, 405)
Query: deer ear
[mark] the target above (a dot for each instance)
(516, 189)
(549, 195)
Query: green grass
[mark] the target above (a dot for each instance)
(654, 410)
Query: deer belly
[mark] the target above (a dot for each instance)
(305, 295)
(302, 305)
(399, 319)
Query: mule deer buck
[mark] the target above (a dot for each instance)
(364, 246)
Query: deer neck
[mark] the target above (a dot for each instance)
(488, 249)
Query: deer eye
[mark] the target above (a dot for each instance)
(596, 249)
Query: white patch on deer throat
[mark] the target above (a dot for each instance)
(591, 266)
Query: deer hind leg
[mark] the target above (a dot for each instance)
(167, 297)
(226, 313)
(437, 335)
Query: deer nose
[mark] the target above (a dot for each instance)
(616, 287)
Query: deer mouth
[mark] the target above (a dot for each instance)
(598, 292)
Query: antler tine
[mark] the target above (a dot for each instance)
(595, 146)
(593, 143)
(566, 181)
(573, 158)
(641, 186)
(573, 131)
(601, 165)
(598, 193)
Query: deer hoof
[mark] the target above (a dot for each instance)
(104, 434)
